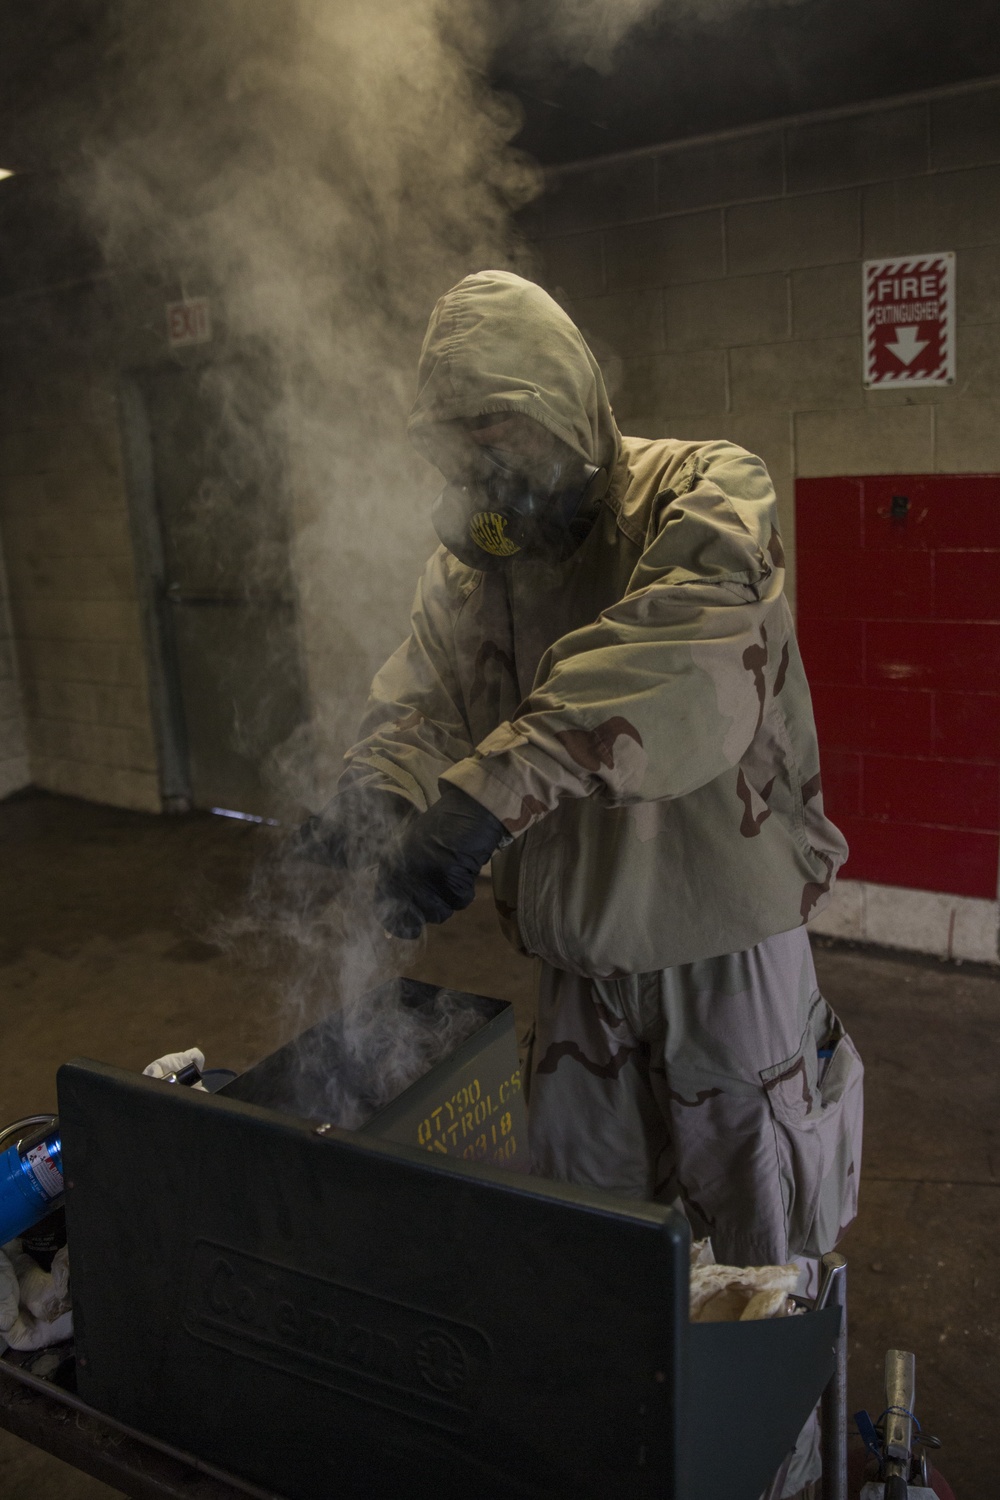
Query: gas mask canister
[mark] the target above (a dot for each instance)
(501, 507)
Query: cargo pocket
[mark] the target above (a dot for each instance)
(816, 1108)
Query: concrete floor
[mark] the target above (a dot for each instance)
(107, 949)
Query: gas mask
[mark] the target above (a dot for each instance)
(501, 509)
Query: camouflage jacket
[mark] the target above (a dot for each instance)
(638, 717)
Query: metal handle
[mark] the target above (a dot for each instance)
(900, 1393)
(833, 1407)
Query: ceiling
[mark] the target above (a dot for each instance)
(681, 74)
(690, 68)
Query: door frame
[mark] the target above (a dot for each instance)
(165, 698)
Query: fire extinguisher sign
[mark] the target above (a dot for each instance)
(909, 321)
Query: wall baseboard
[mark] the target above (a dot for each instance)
(955, 927)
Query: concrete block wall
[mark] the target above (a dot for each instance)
(73, 603)
(719, 282)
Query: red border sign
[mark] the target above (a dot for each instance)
(909, 321)
(189, 322)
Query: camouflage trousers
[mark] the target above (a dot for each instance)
(727, 1085)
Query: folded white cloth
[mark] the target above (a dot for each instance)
(738, 1294)
(173, 1062)
(34, 1304)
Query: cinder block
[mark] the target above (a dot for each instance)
(26, 402)
(74, 778)
(21, 492)
(140, 749)
(965, 130)
(977, 283)
(85, 489)
(15, 775)
(844, 917)
(968, 437)
(530, 219)
(929, 395)
(977, 361)
(796, 375)
(899, 918)
(83, 447)
(892, 440)
(592, 196)
(748, 166)
(82, 661)
(102, 533)
(124, 706)
(826, 301)
(77, 620)
(928, 922)
(54, 738)
(622, 323)
(974, 936)
(572, 264)
(686, 426)
(688, 247)
(138, 790)
(35, 573)
(661, 388)
(78, 702)
(11, 706)
(943, 211)
(95, 744)
(13, 744)
(26, 451)
(856, 148)
(815, 230)
(716, 314)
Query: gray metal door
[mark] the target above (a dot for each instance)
(223, 602)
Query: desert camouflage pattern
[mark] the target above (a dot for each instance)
(638, 716)
(702, 1085)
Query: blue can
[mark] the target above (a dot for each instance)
(31, 1174)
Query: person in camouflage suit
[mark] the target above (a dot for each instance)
(622, 722)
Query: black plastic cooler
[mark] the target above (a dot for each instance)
(342, 1314)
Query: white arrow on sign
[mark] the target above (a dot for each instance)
(907, 346)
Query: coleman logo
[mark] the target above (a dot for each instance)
(363, 1345)
(489, 531)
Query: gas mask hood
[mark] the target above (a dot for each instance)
(499, 346)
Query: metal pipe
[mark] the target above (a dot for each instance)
(900, 1393)
(833, 1406)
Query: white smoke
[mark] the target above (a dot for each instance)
(323, 172)
(591, 32)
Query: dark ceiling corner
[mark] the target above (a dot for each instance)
(675, 77)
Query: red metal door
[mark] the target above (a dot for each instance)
(899, 623)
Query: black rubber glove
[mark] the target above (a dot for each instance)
(354, 829)
(430, 873)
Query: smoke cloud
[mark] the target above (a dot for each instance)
(569, 33)
(323, 172)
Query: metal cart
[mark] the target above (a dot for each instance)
(296, 1310)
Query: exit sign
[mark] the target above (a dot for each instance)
(909, 321)
(189, 322)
